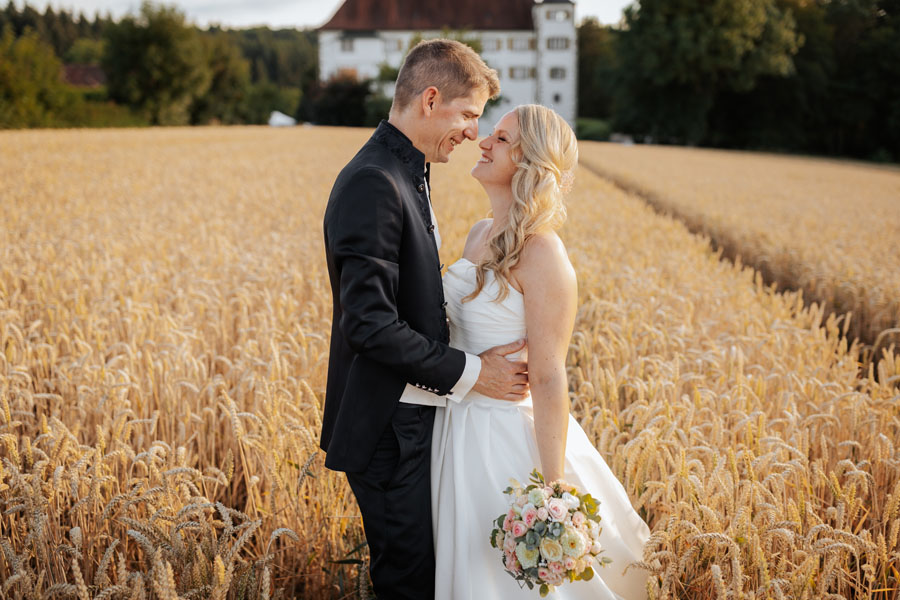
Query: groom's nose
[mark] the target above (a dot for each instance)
(471, 131)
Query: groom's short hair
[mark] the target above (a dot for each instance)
(450, 66)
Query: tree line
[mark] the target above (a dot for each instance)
(159, 69)
(810, 76)
(807, 76)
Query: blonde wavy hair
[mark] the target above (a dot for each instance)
(545, 154)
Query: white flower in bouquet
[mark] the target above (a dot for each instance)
(528, 558)
(573, 542)
(571, 501)
(551, 550)
(537, 497)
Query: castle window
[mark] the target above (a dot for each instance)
(521, 73)
(557, 73)
(521, 43)
(492, 44)
(557, 15)
(557, 43)
(346, 44)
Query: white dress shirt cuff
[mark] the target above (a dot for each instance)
(467, 379)
(417, 395)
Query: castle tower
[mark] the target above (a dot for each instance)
(554, 25)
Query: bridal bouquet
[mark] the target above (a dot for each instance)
(550, 534)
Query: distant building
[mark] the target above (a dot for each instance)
(88, 76)
(532, 45)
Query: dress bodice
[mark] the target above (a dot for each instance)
(482, 322)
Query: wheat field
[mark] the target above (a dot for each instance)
(828, 228)
(164, 319)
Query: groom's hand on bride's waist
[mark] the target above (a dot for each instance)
(500, 377)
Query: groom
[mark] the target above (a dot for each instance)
(390, 363)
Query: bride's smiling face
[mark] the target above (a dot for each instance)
(497, 164)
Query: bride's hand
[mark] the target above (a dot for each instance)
(502, 378)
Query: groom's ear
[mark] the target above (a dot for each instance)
(430, 98)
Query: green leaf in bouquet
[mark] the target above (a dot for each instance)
(545, 589)
(555, 530)
(540, 527)
(500, 521)
(587, 574)
(537, 477)
(605, 560)
(532, 540)
(589, 505)
(509, 490)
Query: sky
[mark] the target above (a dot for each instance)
(278, 13)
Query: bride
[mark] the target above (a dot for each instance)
(515, 278)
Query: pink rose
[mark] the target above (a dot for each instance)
(556, 580)
(507, 523)
(557, 568)
(512, 563)
(529, 515)
(544, 573)
(509, 543)
(548, 490)
(519, 528)
(543, 513)
(557, 509)
(569, 563)
(578, 519)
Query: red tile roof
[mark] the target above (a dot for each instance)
(421, 15)
(83, 75)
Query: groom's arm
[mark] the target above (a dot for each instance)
(364, 236)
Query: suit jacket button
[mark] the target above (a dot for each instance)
(443, 305)
(421, 188)
(431, 229)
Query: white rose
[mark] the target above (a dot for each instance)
(571, 501)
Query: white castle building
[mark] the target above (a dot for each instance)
(532, 45)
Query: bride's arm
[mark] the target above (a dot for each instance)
(548, 284)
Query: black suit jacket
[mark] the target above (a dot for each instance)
(390, 324)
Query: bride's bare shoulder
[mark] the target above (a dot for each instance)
(544, 258)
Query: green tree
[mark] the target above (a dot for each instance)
(30, 86)
(677, 57)
(85, 51)
(156, 63)
(224, 101)
(597, 64)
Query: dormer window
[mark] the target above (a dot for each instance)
(557, 15)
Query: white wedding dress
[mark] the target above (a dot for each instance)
(480, 443)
